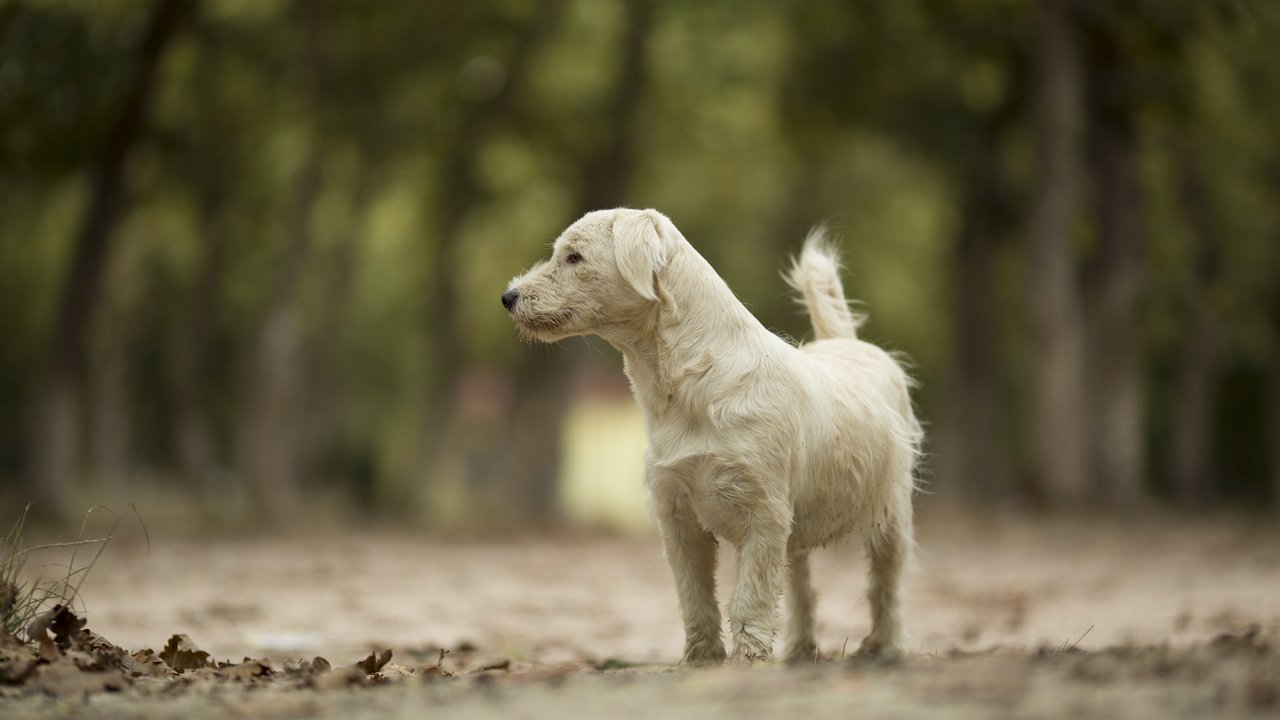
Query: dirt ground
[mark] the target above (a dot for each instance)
(1017, 616)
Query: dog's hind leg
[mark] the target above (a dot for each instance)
(800, 643)
(889, 544)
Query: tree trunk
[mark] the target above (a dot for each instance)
(459, 194)
(270, 451)
(55, 449)
(196, 451)
(976, 448)
(269, 443)
(335, 457)
(1198, 373)
(1056, 417)
(111, 403)
(1273, 433)
(543, 390)
(1114, 280)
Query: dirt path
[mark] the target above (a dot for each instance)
(979, 583)
(994, 602)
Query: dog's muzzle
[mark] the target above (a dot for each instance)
(509, 299)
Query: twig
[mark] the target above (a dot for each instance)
(146, 534)
(110, 534)
(1077, 642)
(69, 543)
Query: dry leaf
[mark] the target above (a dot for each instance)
(17, 663)
(63, 678)
(8, 598)
(375, 661)
(393, 671)
(38, 628)
(437, 671)
(247, 670)
(499, 665)
(49, 651)
(182, 654)
(148, 663)
(85, 661)
(314, 666)
(58, 624)
(66, 626)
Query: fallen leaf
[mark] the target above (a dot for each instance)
(8, 598)
(1248, 640)
(64, 678)
(17, 663)
(39, 626)
(437, 671)
(181, 654)
(375, 661)
(49, 651)
(67, 627)
(85, 661)
(433, 672)
(150, 664)
(313, 666)
(393, 671)
(247, 670)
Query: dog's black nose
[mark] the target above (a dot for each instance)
(509, 299)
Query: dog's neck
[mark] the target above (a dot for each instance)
(687, 331)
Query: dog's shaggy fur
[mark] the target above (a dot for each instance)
(777, 449)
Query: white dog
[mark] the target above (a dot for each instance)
(777, 449)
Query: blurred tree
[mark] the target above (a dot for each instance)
(1056, 415)
(493, 91)
(285, 265)
(1199, 370)
(958, 105)
(54, 456)
(1113, 273)
(269, 443)
(543, 390)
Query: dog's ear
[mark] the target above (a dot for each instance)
(641, 246)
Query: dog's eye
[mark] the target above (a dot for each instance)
(573, 258)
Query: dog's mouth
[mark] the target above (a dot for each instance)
(544, 326)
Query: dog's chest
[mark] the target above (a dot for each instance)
(721, 493)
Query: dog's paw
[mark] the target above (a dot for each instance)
(873, 649)
(748, 656)
(801, 653)
(703, 654)
(748, 649)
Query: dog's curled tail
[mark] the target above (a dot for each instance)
(815, 274)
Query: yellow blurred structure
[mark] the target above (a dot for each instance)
(604, 444)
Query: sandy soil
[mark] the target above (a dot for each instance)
(1008, 614)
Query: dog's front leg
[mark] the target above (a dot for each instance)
(762, 562)
(691, 551)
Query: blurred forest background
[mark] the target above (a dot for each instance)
(251, 250)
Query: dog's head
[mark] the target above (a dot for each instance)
(603, 274)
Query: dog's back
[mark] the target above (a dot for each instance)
(861, 407)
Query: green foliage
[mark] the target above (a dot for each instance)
(759, 119)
